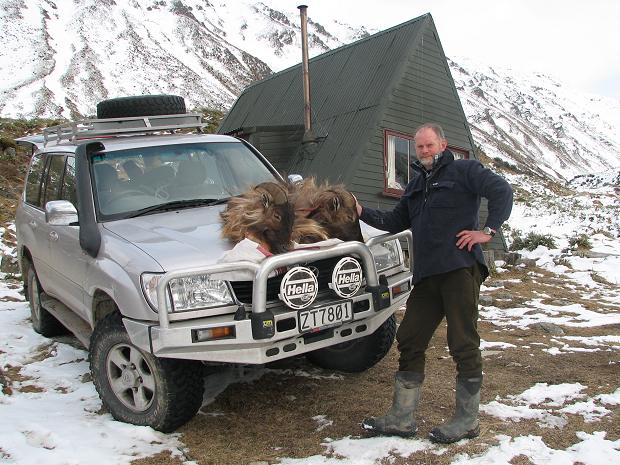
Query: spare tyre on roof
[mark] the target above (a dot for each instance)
(141, 105)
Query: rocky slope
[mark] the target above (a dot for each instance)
(533, 121)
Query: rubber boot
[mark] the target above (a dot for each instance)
(464, 423)
(399, 420)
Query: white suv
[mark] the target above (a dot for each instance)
(119, 239)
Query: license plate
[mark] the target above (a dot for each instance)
(329, 315)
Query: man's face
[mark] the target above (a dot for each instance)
(427, 145)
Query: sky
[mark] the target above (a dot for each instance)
(575, 41)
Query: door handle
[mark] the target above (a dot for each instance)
(53, 236)
(32, 223)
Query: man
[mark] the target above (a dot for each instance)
(440, 205)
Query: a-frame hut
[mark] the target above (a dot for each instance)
(367, 99)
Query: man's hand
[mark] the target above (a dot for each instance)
(470, 238)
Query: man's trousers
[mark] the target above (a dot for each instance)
(455, 296)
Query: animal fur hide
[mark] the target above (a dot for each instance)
(331, 207)
(262, 214)
(276, 216)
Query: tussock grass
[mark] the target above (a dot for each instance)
(531, 241)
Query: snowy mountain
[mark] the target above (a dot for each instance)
(533, 121)
(59, 58)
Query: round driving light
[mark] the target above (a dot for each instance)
(298, 288)
(346, 277)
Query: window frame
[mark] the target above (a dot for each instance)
(390, 191)
(63, 195)
(43, 178)
(462, 152)
(57, 185)
(39, 182)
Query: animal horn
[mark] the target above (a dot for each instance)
(265, 199)
(336, 202)
(275, 192)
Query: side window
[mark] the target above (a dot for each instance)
(68, 182)
(53, 183)
(33, 182)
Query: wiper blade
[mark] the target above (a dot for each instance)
(177, 204)
(219, 201)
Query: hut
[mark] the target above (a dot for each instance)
(367, 99)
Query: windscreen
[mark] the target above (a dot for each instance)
(128, 181)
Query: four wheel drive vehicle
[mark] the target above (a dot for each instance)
(119, 238)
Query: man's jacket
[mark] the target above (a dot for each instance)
(437, 206)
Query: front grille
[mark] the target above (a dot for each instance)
(243, 289)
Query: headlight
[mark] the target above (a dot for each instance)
(387, 255)
(188, 293)
(149, 287)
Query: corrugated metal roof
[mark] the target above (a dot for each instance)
(347, 87)
(343, 80)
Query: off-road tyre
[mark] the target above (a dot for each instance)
(357, 355)
(141, 105)
(177, 385)
(43, 322)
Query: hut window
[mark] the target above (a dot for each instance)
(399, 153)
(399, 150)
(459, 154)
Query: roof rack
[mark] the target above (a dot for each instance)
(89, 129)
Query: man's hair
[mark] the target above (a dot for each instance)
(434, 127)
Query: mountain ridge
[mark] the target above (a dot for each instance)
(62, 57)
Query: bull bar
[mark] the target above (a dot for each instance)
(263, 269)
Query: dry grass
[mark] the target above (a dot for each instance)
(271, 418)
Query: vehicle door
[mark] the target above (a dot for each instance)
(68, 258)
(30, 219)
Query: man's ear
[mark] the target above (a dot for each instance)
(444, 144)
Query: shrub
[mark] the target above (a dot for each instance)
(581, 241)
(598, 278)
(212, 116)
(516, 241)
(604, 232)
(563, 262)
(531, 241)
(7, 142)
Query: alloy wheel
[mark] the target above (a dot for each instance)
(131, 377)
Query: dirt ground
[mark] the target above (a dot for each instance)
(272, 417)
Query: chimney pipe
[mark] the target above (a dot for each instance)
(308, 134)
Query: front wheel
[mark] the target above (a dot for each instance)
(357, 355)
(139, 388)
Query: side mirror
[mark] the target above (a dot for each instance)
(60, 213)
(293, 178)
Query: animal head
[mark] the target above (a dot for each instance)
(331, 207)
(263, 214)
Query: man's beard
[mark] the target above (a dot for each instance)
(429, 162)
